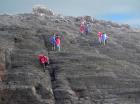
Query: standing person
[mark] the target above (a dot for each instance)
(104, 38)
(58, 41)
(44, 61)
(89, 25)
(53, 41)
(82, 26)
(82, 29)
(86, 29)
(100, 37)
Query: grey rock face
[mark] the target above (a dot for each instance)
(83, 72)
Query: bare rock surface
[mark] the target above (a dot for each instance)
(83, 72)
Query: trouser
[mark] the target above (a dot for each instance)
(44, 65)
(58, 47)
(100, 39)
(53, 46)
(104, 41)
(86, 32)
(82, 32)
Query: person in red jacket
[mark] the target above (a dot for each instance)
(44, 61)
(58, 41)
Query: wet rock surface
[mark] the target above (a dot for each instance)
(83, 72)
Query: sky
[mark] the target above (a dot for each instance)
(121, 11)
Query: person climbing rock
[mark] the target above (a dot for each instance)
(44, 61)
(53, 41)
(58, 41)
(104, 38)
(100, 37)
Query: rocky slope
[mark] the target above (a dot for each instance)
(84, 72)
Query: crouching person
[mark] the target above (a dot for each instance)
(44, 61)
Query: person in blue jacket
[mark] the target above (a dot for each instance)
(53, 41)
(104, 38)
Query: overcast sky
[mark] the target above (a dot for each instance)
(122, 11)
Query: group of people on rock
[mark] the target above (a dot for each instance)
(85, 27)
(55, 41)
(102, 37)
